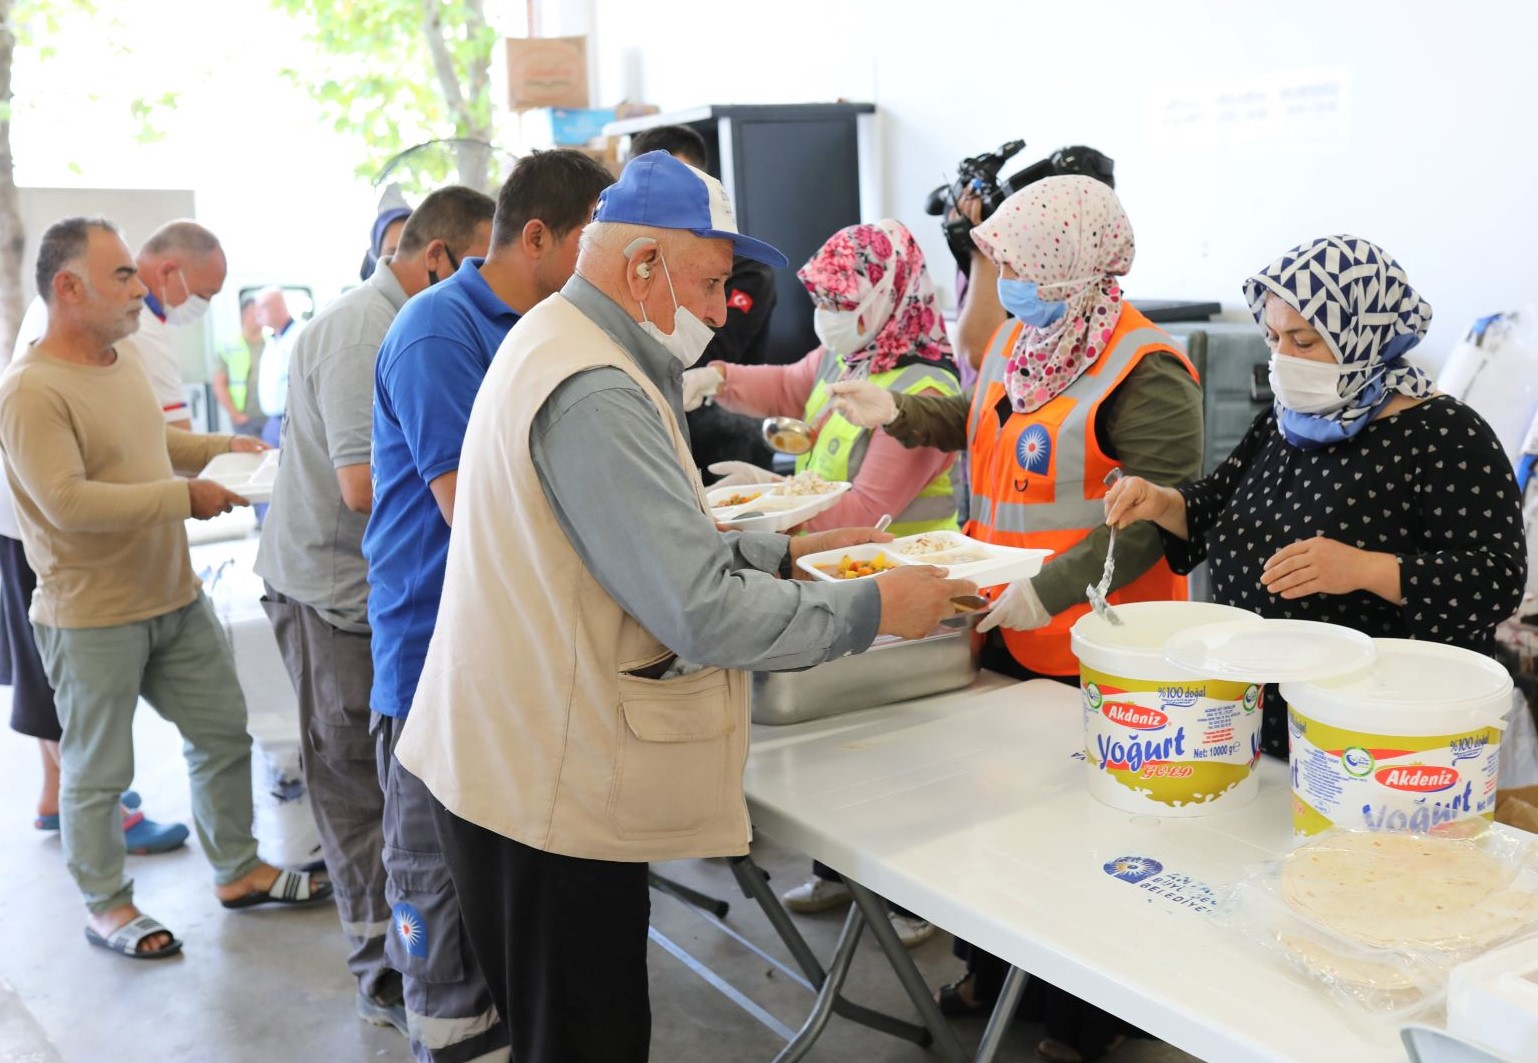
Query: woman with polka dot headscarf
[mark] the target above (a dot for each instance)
(1076, 384)
(1362, 497)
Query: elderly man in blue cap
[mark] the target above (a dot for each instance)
(583, 706)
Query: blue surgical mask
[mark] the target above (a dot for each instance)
(1022, 299)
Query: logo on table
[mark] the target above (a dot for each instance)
(1133, 868)
(410, 928)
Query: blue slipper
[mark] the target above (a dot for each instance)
(130, 800)
(145, 836)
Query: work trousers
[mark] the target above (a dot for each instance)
(180, 663)
(562, 942)
(332, 671)
(449, 1010)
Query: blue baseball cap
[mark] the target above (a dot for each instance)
(656, 189)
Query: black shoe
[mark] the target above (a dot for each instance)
(954, 1006)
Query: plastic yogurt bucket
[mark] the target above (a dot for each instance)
(1157, 739)
(1410, 743)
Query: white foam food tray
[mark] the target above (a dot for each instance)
(781, 511)
(249, 475)
(985, 564)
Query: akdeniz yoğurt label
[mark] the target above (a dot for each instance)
(1389, 782)
(1171, 748)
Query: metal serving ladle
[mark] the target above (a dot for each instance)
(791, 435)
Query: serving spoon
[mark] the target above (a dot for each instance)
(791, 435)
(1095, 595)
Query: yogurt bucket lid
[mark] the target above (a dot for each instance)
(1414, 688)
(1135, 650)
(1272, 651)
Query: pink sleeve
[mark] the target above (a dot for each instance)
(769, 390)
(890, 478)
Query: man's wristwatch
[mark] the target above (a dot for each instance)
(785, 565)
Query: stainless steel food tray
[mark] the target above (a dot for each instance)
(887, 672)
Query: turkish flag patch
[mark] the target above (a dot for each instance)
(739, 300)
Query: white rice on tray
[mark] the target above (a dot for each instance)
(928, 544)
(804, 483)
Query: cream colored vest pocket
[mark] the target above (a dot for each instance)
(680, 745)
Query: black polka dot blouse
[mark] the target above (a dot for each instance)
(1429, 484)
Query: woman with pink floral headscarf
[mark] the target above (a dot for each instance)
(876, 315)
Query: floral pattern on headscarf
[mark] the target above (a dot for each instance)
(1359, 299)
(1070, 236)
(880, 269)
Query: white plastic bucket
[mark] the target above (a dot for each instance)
(1408, 744)
(1157, 739)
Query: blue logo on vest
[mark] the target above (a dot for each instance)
(1133, 868)
(1034, 451)
(410, 928)
(833, 446)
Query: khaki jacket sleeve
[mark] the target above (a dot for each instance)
(938, 421)
(1153, 427)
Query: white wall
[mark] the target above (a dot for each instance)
(1427, 145)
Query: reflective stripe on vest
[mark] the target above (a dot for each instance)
(841, 445)
(1070, 508)
(1052, 457)
(237, 360)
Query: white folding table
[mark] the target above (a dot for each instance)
(970, 809)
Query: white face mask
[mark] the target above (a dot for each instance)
(1306, 386)
(690, 335)
(188, 313)
(839, 330)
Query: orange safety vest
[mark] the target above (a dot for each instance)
(1037, 477)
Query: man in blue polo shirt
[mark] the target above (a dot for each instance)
(429, 369)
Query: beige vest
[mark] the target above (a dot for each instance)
(526, 719)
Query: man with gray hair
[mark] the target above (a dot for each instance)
(183, 267)
(564, 738)
(117, 611)
(311, 557)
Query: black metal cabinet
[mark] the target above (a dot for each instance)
(796, 174)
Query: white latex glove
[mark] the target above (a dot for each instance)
(740, 473)
(701, 384)
(864, 404)
(1019, 608)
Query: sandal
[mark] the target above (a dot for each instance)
(954, 1006)
(125, 939)
(290, 888)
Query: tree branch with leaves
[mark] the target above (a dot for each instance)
(372, 89)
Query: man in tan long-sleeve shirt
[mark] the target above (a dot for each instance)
(117, 611)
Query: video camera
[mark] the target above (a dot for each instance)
(980, 174)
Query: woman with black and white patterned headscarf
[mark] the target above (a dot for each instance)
(1363, 497)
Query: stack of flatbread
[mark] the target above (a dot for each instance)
(1397, 910)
